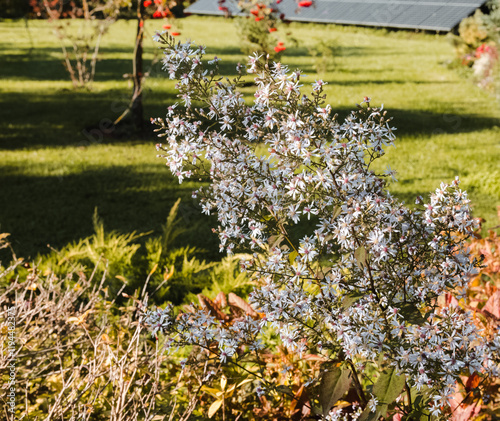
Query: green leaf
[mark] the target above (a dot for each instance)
(367, 415)
(421, 401)
(412, 314)
(284, 389)
(388, 387)
(360, 255)
(334, 383)
(349, 299)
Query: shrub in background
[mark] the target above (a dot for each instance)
(14, 9)
(82, 26)
(477, 44)
(324, 53)
(259, 25)
(176, 273)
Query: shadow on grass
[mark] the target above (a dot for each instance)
(41, 67)
(68, 118)
(56, 210)
(47, 63)
(423, 122)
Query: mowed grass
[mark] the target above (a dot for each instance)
(57, 165)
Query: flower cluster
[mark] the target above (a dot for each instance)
(486, 59)
(343, 269)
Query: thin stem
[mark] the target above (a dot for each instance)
(357, 384)
(408, 394)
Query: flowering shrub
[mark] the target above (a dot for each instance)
(167, 9)
(486, 58)
(258, 27)
(342, 269)
(476, 46)
(260, 20)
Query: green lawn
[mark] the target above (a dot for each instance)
(54, 171)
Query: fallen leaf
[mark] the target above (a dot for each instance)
(492, 306)
(240, 303)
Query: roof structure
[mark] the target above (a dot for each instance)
(434, 15)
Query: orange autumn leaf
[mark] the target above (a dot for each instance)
(492, 306)
(472, 382)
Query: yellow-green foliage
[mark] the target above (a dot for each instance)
(472, 29)
(126, 259)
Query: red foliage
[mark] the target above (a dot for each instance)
(483, 299)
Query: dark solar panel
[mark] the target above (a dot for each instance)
(414, 16)
(438, 15)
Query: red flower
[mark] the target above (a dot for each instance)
(158, 2)
(223, 8)
(254, 12)
(272, 29)
(258, 19)
(167, 26)
(175, 34)
(480, 50)
(484, 48)
(278, 1)
(305, 3)
(147, 3)
(141, 23)
(157, 14)
(280, 47)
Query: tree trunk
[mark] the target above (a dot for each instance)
(137, 108)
